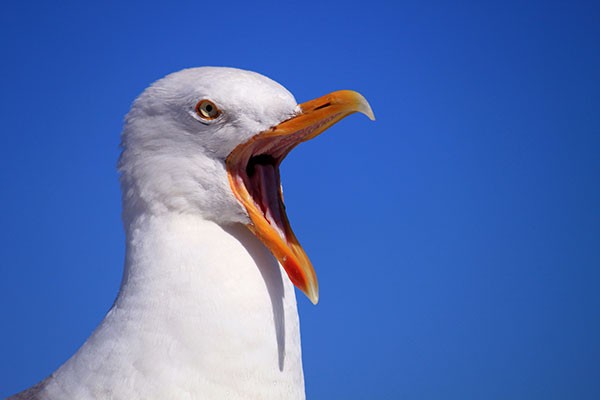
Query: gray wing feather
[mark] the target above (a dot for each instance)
(33, 393)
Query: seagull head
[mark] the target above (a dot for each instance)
(210, 141)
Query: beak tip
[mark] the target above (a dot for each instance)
(313, 294)
(364, 106)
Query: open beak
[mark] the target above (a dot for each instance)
(253, 170)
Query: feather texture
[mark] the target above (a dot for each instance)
(204, 310)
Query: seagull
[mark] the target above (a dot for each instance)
(206, 307)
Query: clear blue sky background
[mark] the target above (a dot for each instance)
(457, 239)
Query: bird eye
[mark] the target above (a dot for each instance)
(206, 109)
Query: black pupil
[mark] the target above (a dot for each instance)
(208, 108)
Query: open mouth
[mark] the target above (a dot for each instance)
(264, 184)
(253, 170)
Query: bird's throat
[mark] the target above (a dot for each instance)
(265, 188)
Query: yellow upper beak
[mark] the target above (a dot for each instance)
(253, 170)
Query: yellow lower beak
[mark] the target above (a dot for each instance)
(253, 170)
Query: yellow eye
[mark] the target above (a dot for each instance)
(206, 109)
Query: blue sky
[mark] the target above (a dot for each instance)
(456, 239)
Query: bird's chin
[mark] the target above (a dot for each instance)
(253, 171)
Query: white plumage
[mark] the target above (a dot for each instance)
(204, 311)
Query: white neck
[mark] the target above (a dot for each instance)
(204, 312)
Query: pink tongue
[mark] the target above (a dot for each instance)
(266, 184)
